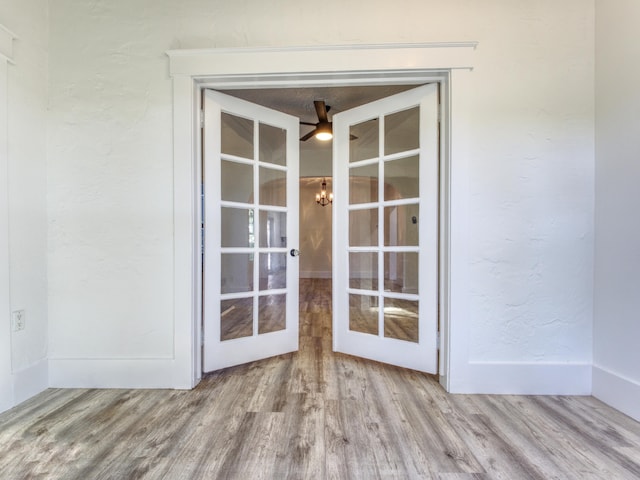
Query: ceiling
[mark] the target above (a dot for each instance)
(299, 101)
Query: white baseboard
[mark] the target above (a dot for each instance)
(112, 373)
(315, 274)
(621, 393)
(29, 382)
(523, 379)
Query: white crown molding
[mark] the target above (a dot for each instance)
(321, 59)
(6, 43)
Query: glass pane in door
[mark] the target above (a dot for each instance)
(236, 272)
(402, 178)
(236, 135)
(401, 225)
(273, 145)
(273, 229)
(272, 313)
(401, 319)
(238, 227)
(364, 140)
(363, 184)
(363, 227)
(241, 188)
(402, 131)
(273, 271)
(236, 318)
(273, 185)
(363, 270)
(363, 314)
(401, 272)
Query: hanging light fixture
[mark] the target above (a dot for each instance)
(322, 198)
(324, 131)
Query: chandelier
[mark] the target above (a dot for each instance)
(322, 198)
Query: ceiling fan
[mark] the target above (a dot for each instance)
(323, 130)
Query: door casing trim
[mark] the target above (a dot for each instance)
(295, 67)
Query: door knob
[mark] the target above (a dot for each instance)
(294, 252)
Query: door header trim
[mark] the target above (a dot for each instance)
(321, 59)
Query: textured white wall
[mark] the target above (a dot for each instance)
(617, 234)
(530, 197)
(531, 185)
(27, 209)
(110, 180)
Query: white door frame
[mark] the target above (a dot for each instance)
(297, 67)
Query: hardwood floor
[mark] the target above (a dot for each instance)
(315, 415)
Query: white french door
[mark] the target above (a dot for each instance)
(385, 285)
(250, 232)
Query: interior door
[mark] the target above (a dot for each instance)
(250, 232)
(385, 294)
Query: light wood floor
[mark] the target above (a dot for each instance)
(315, 415)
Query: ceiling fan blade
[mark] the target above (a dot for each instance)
(308, 135)
(321, 110)
(352, 137)
(308, 123)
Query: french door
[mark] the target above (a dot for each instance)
(250, 232)
(385, 281)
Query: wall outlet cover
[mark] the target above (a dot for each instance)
(18, 320)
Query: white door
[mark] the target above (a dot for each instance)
(251, 232)
(385, 290)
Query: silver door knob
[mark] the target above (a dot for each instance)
(294, 252)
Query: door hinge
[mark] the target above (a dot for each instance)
(202, 205)
(438, 340)
(201, 118)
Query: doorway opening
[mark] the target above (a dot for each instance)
(386, 156)
(315, 157)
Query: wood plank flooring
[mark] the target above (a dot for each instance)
(315, 415)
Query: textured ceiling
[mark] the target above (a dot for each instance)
(299, 101)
